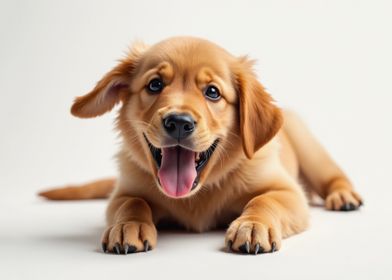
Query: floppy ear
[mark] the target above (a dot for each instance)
(110, 90)
(260, 119)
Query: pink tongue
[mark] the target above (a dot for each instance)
(178, 171)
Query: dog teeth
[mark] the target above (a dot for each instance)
(197, 158)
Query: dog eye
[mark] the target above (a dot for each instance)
(155, 85)
(211, 92)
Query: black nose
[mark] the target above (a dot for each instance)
(179, 126)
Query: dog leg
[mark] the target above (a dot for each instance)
(266, 219)
(324, 175)
(131, 228)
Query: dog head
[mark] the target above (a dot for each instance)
(190, 109)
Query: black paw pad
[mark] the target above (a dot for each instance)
(348, 207)
(129, 249)
(245, 248)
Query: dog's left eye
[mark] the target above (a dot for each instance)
(212, 92)
(155, 85)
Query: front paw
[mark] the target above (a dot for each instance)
(129, 237)
(343, 200)
(250, 235)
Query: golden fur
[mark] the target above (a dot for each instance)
(250, 183)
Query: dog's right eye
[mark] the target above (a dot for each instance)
(155, 86)
(212, 93)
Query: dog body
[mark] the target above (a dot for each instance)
(204, 146)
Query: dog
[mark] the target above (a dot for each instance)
(204, 146)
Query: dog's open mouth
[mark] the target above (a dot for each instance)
(179, 168)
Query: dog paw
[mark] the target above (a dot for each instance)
(129, 237)
(343, 200)
(249, 236)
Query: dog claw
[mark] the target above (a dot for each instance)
(344, 207)
(229, 244)
(257, 248)
(126, 247)
(245, 248)
(116, 248)
(104, 247)
(273, 246)
(146, 245)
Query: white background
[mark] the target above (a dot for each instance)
(329, 60)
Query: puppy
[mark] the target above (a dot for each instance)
(204, 146)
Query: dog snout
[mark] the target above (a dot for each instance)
(179, 126)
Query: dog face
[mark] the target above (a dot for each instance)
(188, 108)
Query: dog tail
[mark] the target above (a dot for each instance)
(92, 190)
(318, 167)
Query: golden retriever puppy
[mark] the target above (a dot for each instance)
(204, 146)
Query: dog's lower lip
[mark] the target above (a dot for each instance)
(200, 163)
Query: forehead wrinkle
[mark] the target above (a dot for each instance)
(186, 81)
(164, 69)
(204, 75)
